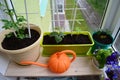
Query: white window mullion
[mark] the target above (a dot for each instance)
(11, 7)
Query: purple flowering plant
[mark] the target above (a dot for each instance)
(113, 66)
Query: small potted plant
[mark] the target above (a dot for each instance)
(80, 42)
(102, 39)
(100, 56)
(17, 40)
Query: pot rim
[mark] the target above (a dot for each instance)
(102, 43)
(23, 49)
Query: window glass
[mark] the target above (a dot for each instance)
(80, 15)
(71, 15)
(77, 14)
(112, 22)
(2, 14)
(42, 19)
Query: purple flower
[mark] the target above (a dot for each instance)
(113, 67)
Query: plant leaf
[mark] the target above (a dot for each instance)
(61, 34)
(58, 39)
(53, 34)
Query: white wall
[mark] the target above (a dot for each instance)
(3, 63)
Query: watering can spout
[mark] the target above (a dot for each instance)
(34, 63)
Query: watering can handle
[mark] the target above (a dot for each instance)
(70, 52)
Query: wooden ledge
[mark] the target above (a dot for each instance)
(82, 66)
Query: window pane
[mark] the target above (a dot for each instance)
(34, 15)
(3, 15)
(67, 15)
(80, 14)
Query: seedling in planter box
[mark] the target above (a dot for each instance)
(78, 30)
(57, 35)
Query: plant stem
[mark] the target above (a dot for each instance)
(11, 17)
(8, 11)
(13, 10)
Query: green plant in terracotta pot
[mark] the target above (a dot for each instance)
(19, 40)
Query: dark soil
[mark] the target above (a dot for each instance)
(68, 39)
(13, 43)
(107, 40)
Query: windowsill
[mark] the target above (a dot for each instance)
(82, 66)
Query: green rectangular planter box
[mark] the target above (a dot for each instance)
(80, 49)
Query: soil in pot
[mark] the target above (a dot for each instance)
(13, 43)
(103, 38)
(68, 39)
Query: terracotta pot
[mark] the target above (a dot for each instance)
(30, 53)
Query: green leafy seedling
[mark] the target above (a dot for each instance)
(17, 26)
(58, 36)
(101, 56)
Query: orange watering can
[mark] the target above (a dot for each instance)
(59, 62)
